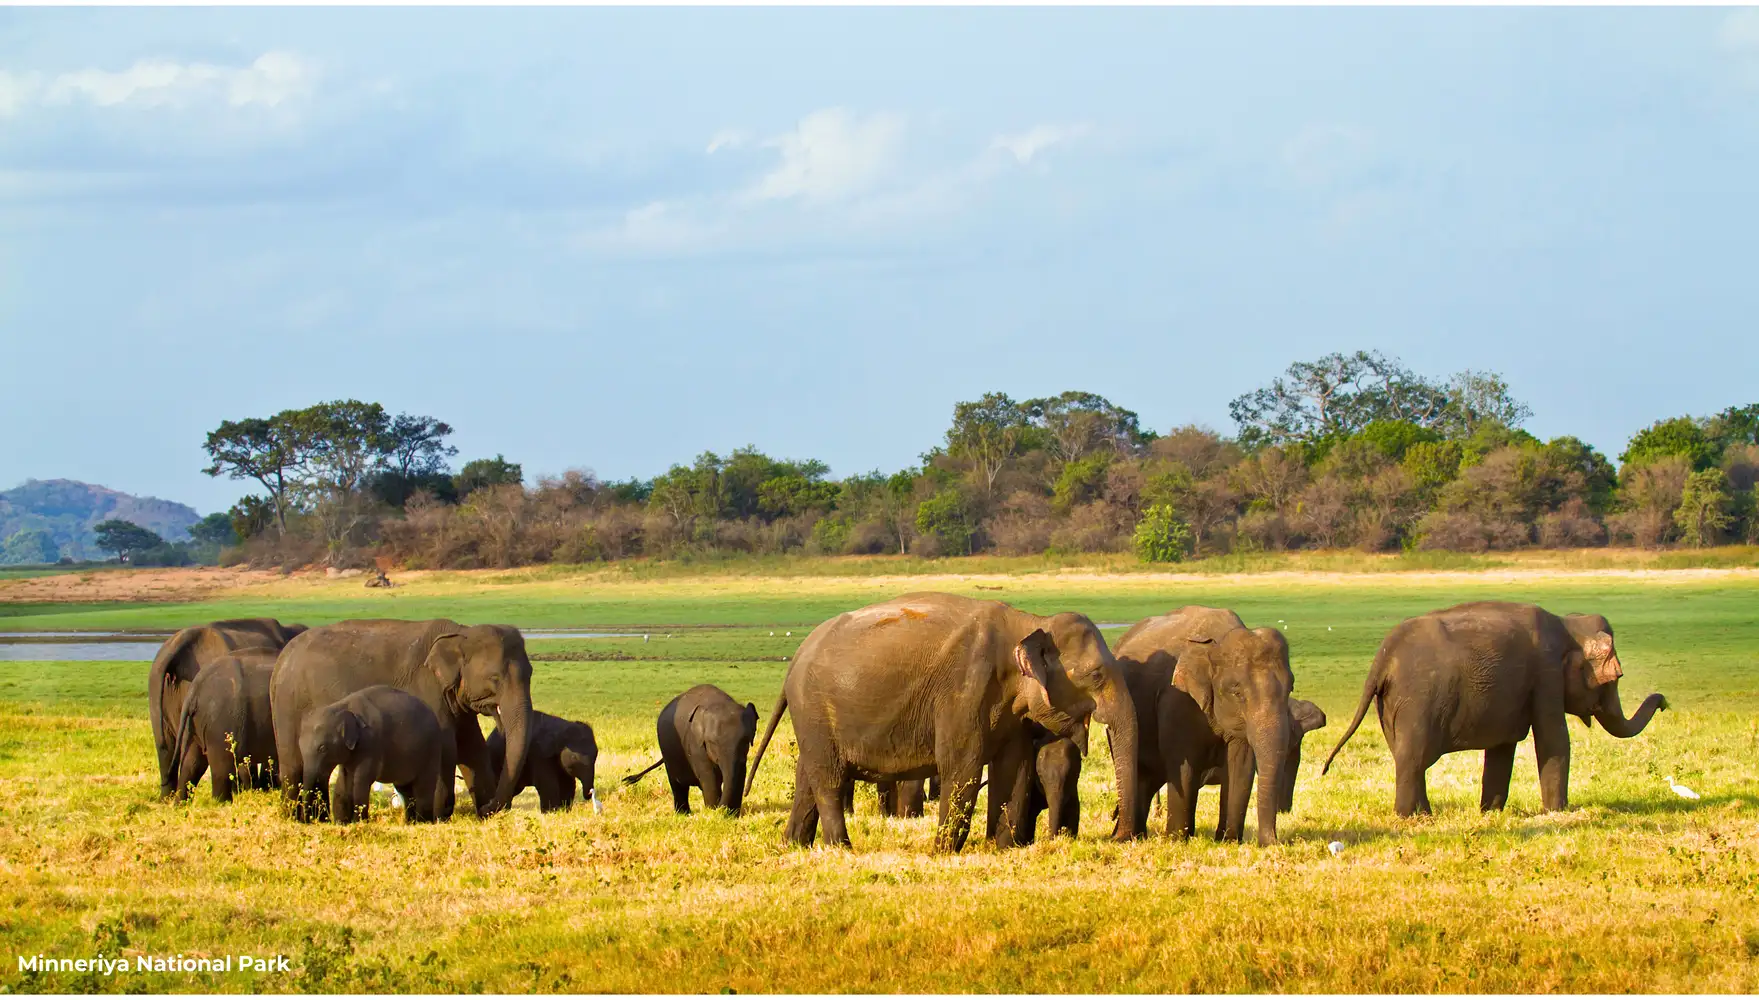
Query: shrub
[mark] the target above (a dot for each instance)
(1703, 513)
(1457, 531)
(1161, 536)
(1093, 527)
(1572, 526)
(945, 518)
(1022, 526)
(1262, 531)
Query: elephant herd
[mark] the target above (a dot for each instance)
(928, 696)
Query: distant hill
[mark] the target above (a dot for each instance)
(68, 510)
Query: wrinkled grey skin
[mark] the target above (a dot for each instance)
(1479, 676)
(380, 733)
(560, 753)
(1210, 693)
(705, 737)
(225, 727)
(902, 799)
(459, 672)
(1056, 775)
(178, 662)
(934, 683)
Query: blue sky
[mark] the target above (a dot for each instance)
(616, 238)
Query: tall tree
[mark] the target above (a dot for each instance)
(125, 538)
(1335, 396)
(1077, 423)
(987, 433)
(267, 450)
(416, 446)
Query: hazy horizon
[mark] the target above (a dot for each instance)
(614, 239)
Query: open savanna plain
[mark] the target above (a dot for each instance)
(1633, 889)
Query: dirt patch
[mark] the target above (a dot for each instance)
(132, 585)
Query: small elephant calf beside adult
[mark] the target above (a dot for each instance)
(705, 737)
(1480, 676)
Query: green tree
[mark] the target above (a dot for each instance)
(1476, 398)
(1395, 437)
(1076, 423)
(266, 450)
(788, 495)
(1081, 481)
(216, 530)
(1703, 514)
(251, 516)
(125, 538)
(1432, 464)
(1675, 436)
(987, 433)
(1335, 396)
(483, 472)
(1162, 536)
(947, 517)
(29, 547)
(1735, 425)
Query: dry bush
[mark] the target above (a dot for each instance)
(1022, 526)
(1650, 495)
(1740, 462)
(1199, 449)
(1323, 512)
(1572, 526)
(1273, 476)
(1093, 527)
(1456, 531)
(1262, 531)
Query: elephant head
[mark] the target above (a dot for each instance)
(579, 757)
(1591, 678)
(182, 657)
(1306, 717)
(483, 669)
(327, 739)
(1241, 681)
(1065, 675)
(727, 736)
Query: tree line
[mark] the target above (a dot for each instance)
(1346, 451)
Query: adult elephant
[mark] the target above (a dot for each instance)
(931, 684)
(1479, 676)
(178, 662)
(1210, 693)
(459, 671)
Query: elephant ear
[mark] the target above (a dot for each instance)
(1030, 660)
(1603, 662)
(1079, 736)
(1193, 673)
(750, 716)
(1307, 715)
(446, 660)
(350, 730)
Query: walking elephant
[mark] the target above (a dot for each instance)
(1480, 676)
(558, 753)
(1210, 694)
(704, 737)
(938, 684)
(178, 662)
(458, 671)
(226, 727)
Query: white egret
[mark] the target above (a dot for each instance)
(1681, 790)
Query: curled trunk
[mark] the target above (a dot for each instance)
(1611, 715)
(1116, 711)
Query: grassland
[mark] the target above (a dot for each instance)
(1632, 890)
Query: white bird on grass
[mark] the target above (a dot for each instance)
(1681, 790)
(1336, 847)
(396, 796)
(598, 807)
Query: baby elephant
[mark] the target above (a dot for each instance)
(705, 737)
(379, 733)
(226, 726)
(1055, 781)
(559, 754)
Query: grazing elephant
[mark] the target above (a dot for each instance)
(705, 737)
(937, 684)
(1210, 693)
(1479, 676)
(379, 733)
(226, 726)
(459, 672)
(1055, 780)
(178, 662)
(558, 754)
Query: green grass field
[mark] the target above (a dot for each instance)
(1632, 890)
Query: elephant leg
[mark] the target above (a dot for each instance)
(934, 787)
(547, 779)
(910, 799)
(222, 766)
(190, 769)
(830, 789)
(680, 796)
(1237, 789)
(1010, 781)
(958, 802)
(473, 757)
(888, 797)
(1499, 765)
(1551, 744)
(1411, 790)
(342, 799)
(445, 794)
(802, 828)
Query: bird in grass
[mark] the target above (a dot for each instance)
(396, 796)
(598, 807)
(1336, 847)
(1681, 790)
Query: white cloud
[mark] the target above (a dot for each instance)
(656, 227)
(730, 138)
(1740, 30)
(1035, 140)
(272, 79)
(832, 155)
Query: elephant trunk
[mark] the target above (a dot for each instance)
(733, 784)
(1611, 715)
(514, 719)
(1117, 712)
(581, 768)
(1286, 784)
(1269, 739)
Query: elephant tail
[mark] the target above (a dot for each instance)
(1371, 689)
(769, 731)
(637, 776)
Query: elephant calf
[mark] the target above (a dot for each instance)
(225, 725)
(1055, 777)
(380, 733)
(560, 753)
(704, 738)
